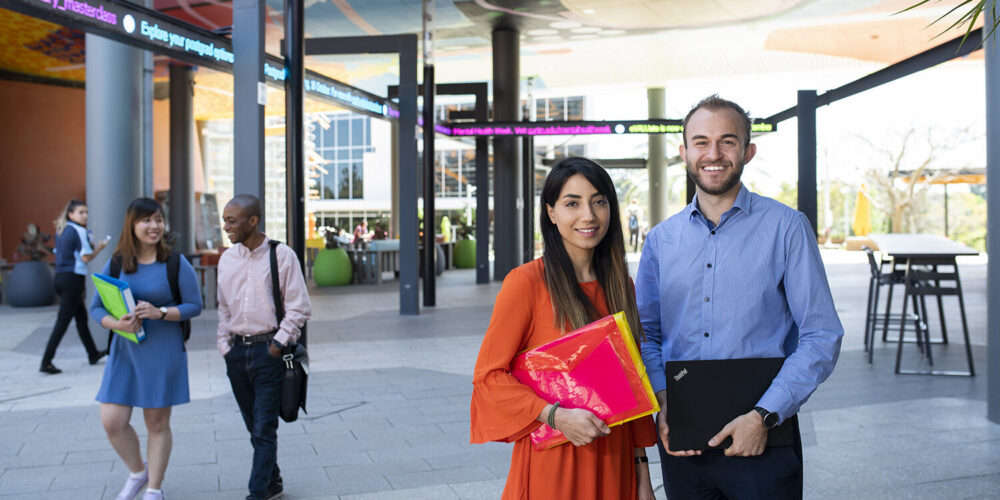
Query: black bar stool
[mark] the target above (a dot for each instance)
(873, 319)
(923, 277)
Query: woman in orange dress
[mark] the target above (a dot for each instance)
(581, 277)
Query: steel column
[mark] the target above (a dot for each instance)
(114, 136)
(806, 111)
(429, 242)
(657, 159)
(181, 199)
(991, 54)
(528, 195)
(507, 201)
(249, 98)
(295, 175)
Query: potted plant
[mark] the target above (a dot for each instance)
(837, 238)
(465, 246)
(30, 282)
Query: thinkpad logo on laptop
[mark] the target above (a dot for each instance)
(680, 375)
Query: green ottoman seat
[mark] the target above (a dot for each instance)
(332, 267)
(465, 254)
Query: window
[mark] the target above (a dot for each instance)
(343, 145)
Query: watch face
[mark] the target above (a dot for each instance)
(771, 420)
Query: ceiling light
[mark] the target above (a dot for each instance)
(586, 29)
(565, 25)
(588, 11)
(542, 32)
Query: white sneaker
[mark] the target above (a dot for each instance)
(133, 486)
(153, 496)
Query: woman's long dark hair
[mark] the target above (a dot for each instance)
(128, 244)
(571, 305)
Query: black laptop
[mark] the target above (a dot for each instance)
(705, 395)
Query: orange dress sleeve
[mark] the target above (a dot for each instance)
(502, 408)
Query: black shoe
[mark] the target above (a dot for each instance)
(274, 490)
(50, 369)
(97, 357)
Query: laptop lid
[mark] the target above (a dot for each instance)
(705, 395)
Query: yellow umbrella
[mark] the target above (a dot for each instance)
(862, 216)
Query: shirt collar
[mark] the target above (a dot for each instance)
(742, 202)
(246, 252)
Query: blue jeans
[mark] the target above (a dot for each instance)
(256, 378)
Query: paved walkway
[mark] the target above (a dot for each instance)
(389, 401)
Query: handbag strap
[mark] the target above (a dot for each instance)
(279, 303)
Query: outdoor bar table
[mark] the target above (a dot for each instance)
(923, 254)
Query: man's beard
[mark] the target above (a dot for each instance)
(731, 182)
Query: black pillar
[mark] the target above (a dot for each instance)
(528, 195)
(295, 181)
(482, 192)
(806, 112)
(430, 246)
(182, 157)
(506, 154)
(249, 98)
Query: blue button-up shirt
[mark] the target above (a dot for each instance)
(752, 287)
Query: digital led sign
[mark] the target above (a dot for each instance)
(620, 127)
(148, 29)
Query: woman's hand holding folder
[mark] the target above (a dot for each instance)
(579, 425)
(127, 323)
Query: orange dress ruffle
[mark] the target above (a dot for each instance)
(505, 410)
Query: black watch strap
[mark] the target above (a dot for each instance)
(770, 418)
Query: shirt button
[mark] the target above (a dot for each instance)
(713, 232)
(707, 299)
(709, 265)
(706, 334)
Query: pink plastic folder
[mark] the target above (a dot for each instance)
(597, 367)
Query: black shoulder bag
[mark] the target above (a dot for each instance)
(173, 272)
(295, 356)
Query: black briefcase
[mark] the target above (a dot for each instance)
(293, 387)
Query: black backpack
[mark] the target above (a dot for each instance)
(633, 221)
(173, 270)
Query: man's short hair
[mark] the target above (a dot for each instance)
(714, 102)
(250, 205)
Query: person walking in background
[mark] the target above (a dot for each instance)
(735, 275)
(250, 338)
(582, 276)
(74, 249)
(152, 374)
(634, 223)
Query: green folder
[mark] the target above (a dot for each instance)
(117, 298)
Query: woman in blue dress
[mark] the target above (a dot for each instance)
(74, 250)
(152, 374)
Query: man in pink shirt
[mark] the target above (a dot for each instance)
(249, 336)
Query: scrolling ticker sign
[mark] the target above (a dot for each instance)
(148, 29)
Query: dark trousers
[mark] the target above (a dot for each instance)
(774, 474)
(633, 239)
(69, 288)
(256, 378)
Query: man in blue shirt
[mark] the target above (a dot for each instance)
(735, 275)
